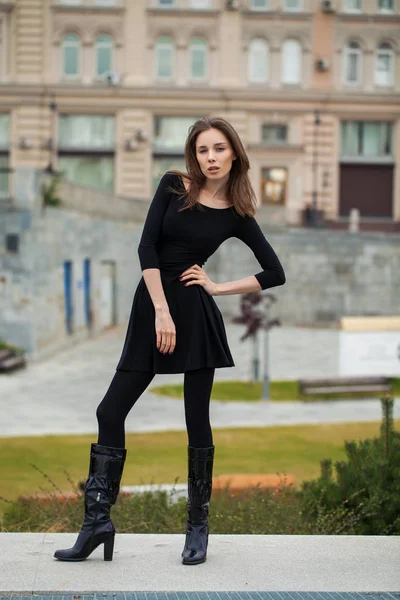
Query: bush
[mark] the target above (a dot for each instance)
(256, 511)
(367, 485)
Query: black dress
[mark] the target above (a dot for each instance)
(173, 241)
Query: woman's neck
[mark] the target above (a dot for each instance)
(216, 189)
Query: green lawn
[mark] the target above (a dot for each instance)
(161, 457)
(281, 391)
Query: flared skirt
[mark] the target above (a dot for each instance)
(201, 339)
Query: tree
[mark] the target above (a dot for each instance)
(254, 312)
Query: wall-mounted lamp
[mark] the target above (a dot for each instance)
(131, 144)
(142, 135)
(24, 143)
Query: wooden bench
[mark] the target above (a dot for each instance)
(10, 361)
(345, 384)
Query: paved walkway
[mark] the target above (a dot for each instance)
(60, 395)
(152, 562)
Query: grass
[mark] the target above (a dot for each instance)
(161, 457)
(280, 391)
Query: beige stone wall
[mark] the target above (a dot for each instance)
(31, 34)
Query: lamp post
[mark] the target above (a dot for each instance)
(314, 211)
(50, 168)
(266, 391)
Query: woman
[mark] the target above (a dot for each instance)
(175, 325)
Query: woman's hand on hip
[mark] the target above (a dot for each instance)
(165, 331)
(198, 276)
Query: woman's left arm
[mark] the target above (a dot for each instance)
(272, 274)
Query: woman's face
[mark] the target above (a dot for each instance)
(214, 150)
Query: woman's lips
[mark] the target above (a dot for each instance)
(213, 170)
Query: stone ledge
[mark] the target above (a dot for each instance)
(152, 563)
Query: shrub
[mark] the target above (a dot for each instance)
(367, 485)
(259, 511)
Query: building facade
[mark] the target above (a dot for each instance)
(106, 90)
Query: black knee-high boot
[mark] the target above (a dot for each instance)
(101, 491)
(200, 467)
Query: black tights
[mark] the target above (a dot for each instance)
(127, 386)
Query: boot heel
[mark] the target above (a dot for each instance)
(109, 547)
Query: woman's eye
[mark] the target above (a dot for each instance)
(202, 151)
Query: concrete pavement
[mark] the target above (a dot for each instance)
(152, 562)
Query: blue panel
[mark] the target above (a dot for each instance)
(86, 290)
(68, 295)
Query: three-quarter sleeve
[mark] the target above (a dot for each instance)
(248, 230)
(147, 248)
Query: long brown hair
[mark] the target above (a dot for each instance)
(239, 191)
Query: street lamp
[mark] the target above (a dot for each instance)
(50, 142)
(314, 210)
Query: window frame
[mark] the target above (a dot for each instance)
(355, 11)
(78, 46)
(193, 42)
(163, 46)
(192, 4)
(360, 156)
(100, 150)
(250, 61)
(389, 52)
(165, 6)
(386, 11)
(293, 10)
(346, 53)
(300, 56)
(105, 3)
(112, 59)
(265, 126)
(259, 8)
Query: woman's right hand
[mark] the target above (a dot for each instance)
(165, 331)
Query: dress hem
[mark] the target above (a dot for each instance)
(171, 372)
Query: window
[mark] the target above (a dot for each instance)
(384, 66)
(4, 154)
(71, 51)
(86, 149)
(170, 133)
(258, 66)
(352, 5)
(166, 3)
(164, 58)
(169, 139)
(259, 4)
(386, 6)
(352, 63)
(104, 51)
(200, 4)
(293, 5)
(366, 139)
(274, 134)
(198, 58)
(291, 62)
(70, 2)
(105, 2)
(273, 185)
